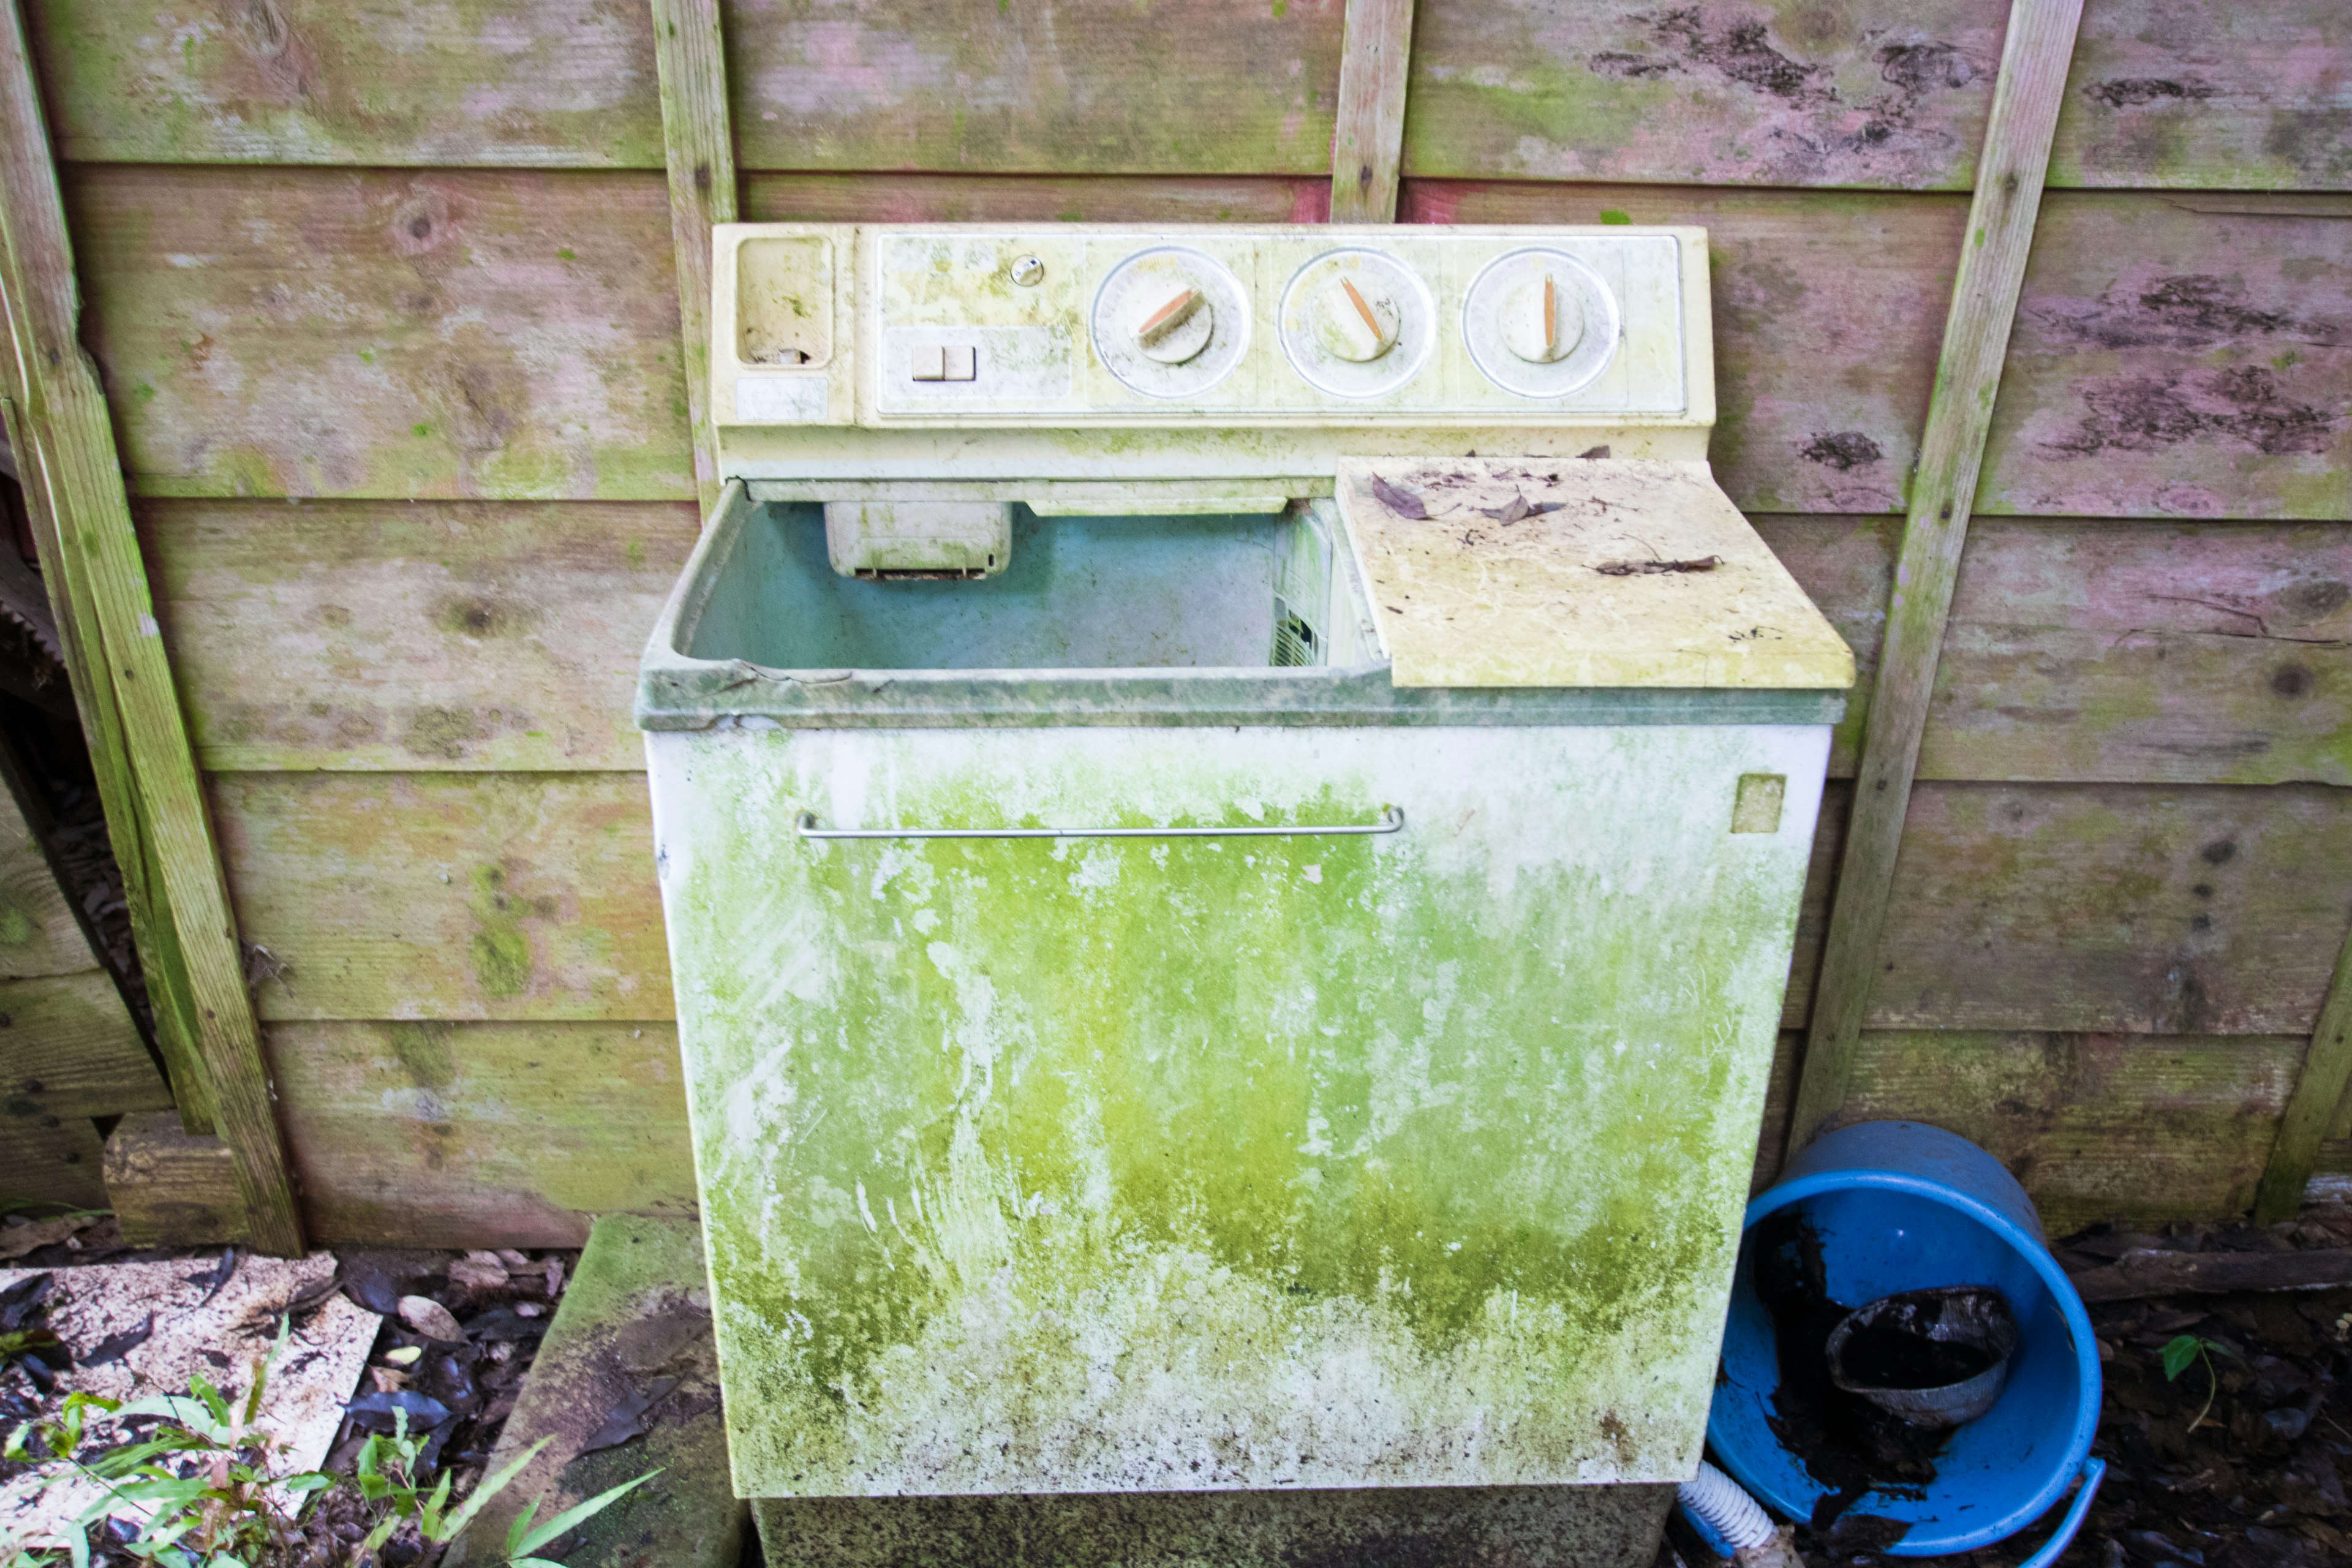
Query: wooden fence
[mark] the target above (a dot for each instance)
(384, 297)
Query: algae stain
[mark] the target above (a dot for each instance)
(442, 733)
(500, 948)
(1417, 1108)
(16, 927)
(424, 1051)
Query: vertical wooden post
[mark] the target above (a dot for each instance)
(160, 960)
(2326, 1073)
(698, 137)
(69, 439)
(2025, 100)
(1367, 142)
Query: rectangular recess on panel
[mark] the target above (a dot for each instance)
(783, 300)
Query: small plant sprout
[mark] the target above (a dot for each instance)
(2183, 1350)
(200, 1484)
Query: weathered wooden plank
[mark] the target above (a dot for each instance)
(2319, 1091)
(2098, 1127)
(170, 1187)
(2146, 1271)
(2156, 652)
(448, 895)
(1012, 199)
(2039, 41)
(2133, 1127)
(2099, 909)
(2109, 908)
(2166, 94)
(1813, 907)
(482, 1135)
(1822, 350)
(496, 636)
(1779, 1094)
(1201, 86)
(67, 1048)
(391, 635)
(376, 82)
(1767, 93)
(51, 1159)
(492, 333)
(700, 145)
(501, 896)
(2096, 651)
(637, 1295)
(2171, 362)
(163, 967)
(2071, 908)
(1793, 92)
(1726, 91)
(1368, 136)
(72, 439)
(38, 931)
(462, 636)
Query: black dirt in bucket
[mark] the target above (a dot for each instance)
(1894, 1352)
(1849, 1446)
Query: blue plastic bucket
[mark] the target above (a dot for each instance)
(1900, 1205)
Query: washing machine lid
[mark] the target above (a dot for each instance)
(1592, 572)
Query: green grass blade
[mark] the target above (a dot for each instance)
(563, 1521)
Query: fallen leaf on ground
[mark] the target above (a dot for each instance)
(213, 1279)
(627, 1419)
(501, 1324)
(373, 1411)
(1398, 499)
(15, 1240)
(477, 1275)
(21, 1303)
(114, 1347)
(431, 1319)
(378, 1280)
(1657, 568)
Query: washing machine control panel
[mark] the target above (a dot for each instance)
(883, 324)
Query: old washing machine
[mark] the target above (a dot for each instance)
(1232, 805)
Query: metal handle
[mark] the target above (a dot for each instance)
(1392, 821)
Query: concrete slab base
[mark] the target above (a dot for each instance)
(1462, 1527)
(629, 1348)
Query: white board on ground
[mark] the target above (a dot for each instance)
(219, 1339)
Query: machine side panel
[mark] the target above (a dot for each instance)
(1184, 1164)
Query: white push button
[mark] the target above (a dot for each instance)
(928, 361)
(963, 362)
(1541, 320)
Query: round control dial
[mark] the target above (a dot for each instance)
(1539, 324)
(1356, 323)
(1542, 321)
(1348, 326)
(1178, 328)
(1171, 321)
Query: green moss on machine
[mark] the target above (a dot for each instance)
(1086, 1147)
